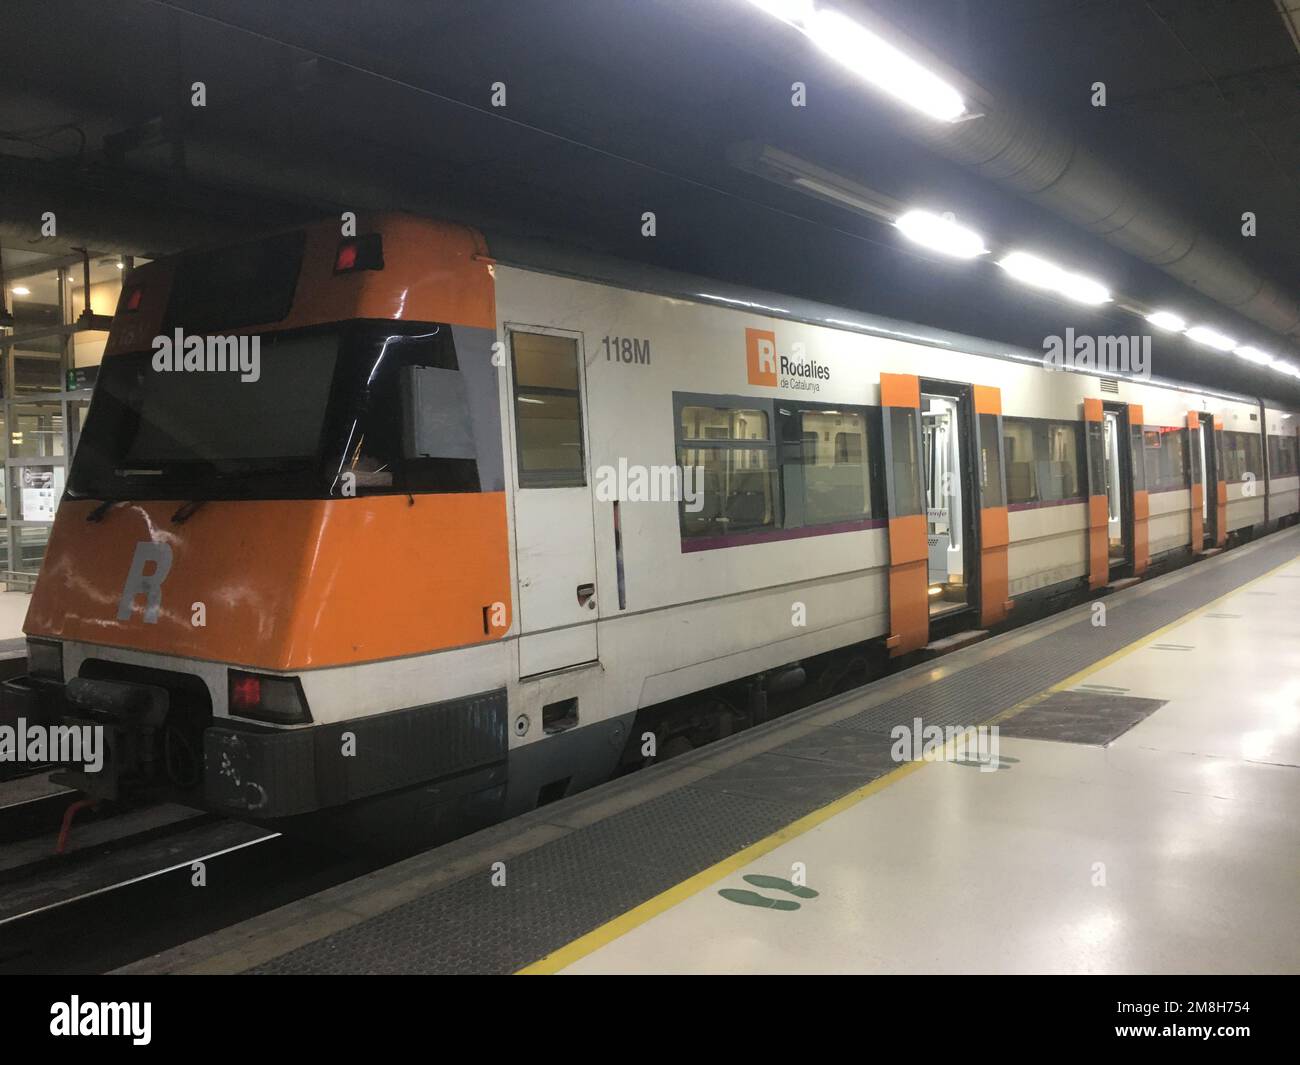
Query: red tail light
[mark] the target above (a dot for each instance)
(132, 299)
(245, 691)
(279, 700)
(346, 258)
(360, 253)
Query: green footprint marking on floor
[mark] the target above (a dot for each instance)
(776, 883)
(768, 883)
(753, 898)
(1003, 762)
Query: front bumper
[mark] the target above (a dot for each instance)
(263, 773)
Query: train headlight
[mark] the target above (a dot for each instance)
(45, 659)
(279, 700)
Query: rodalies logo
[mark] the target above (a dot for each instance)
(769, 368)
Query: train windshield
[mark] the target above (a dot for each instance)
(301, 414)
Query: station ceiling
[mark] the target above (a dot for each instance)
(617, 107)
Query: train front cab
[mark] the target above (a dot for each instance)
(284, 591)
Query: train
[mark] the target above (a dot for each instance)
(415, 523)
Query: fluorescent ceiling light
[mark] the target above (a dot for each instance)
(884, 66)
(1253, 354)
(1167, 320)
(941, 234)
(21, 290)
(794, 12)
(831, 192)
(1039, 273)
(1083, 289)
(1287, 368)
(1207, 336)
(1031, 270)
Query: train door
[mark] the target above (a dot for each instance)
(990, 491)
(966, 512)
(946, 446)
(555, 538)
(900, 410)
(1220, 506)
(1098, 499)
(1140, 495)
(1118, 471)
(1207, 460)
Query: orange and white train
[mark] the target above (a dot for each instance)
(488, 523)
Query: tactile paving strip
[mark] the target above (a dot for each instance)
(565, 888)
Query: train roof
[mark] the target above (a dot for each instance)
(577, 263)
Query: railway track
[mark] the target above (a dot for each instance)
(138, 881)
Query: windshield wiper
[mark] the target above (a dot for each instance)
(97, 515)
(186, 511)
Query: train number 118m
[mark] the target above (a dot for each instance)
(627, 349)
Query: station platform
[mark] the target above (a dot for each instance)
(1139, 817)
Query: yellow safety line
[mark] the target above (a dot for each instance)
(624, 923)
(665, 900)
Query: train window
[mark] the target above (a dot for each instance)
(1242, 455)
(1043, 460)
(1138, 464)
(826, 464)
(905, 462)
(378, 451)
(736, 472)
(1282, 456)
(990, 462)
(722, 423)
(1063, 476)
(1022, 466)
(548, 411)
(229, 288)
(1165, 458)
(739, 491)
(327, 403)
(1095, 447)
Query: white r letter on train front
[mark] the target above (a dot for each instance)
(149, 584)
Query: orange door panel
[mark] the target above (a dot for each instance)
(995, 603)
(1141, 500)
(1098, 508)
(1220, 487)
(909, 553)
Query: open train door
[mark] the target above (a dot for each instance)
(909, 608)
(1098, 501)
(995, 603)
(1141, 499)
(1196, 459)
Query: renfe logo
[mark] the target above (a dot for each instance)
(760, 356)
(771, 370)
